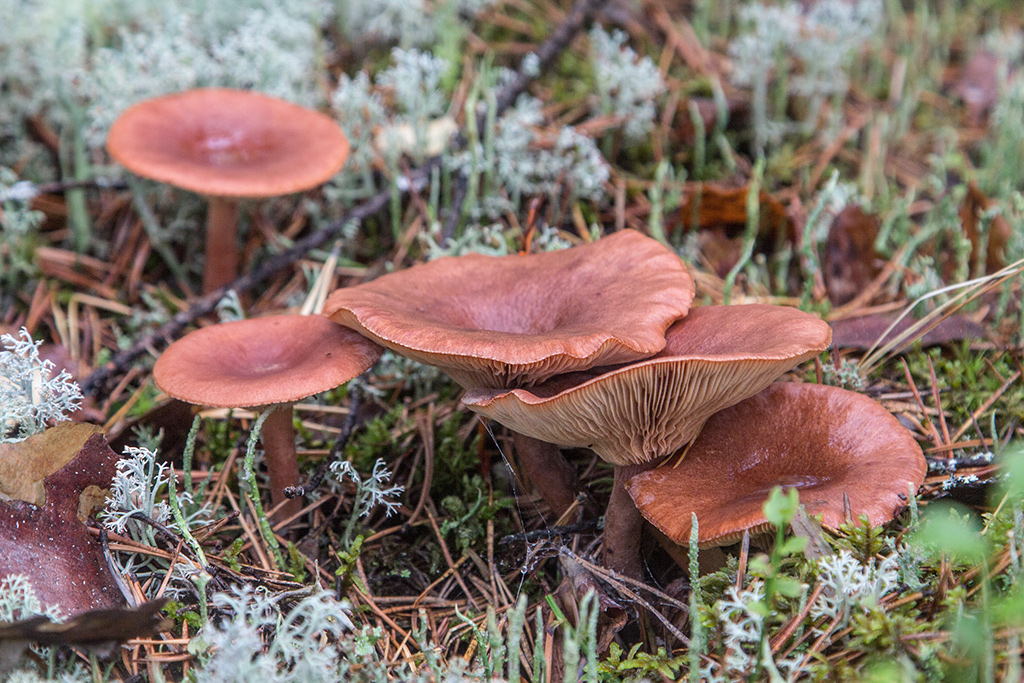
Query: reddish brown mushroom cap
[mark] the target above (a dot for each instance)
(824, 441)
(505, 321)
(262, 361)
(713, 358)
(228, 143)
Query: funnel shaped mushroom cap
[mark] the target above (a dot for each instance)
(821, 440)
(713, 358)
(262, 361)
(512, 320)
(228, 143)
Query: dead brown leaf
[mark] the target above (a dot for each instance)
(978, 85)
(714, 205)
(720, 213)
(865, 331)
(48, 543)
(976, 203)
(850, 261)
(25, 464)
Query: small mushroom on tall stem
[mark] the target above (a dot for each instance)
(227, 145)
(270, 363)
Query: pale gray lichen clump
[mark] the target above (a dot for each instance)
(30, 396)
(627, 84)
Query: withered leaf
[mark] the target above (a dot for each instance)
(713, 205)
(49, 543)
(720, 213)
(25, 464)
(865, 331)
(850, 261)
(805, 526)
(975, 203)
(978, 85)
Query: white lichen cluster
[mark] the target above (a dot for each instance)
(260, 640)
(402, 111)
(139, 484)
(370, 491)
(142, 485)
(31, 398)
(519, 160)
(809, 49)
(627, 84)
(742, 627)
(416, 126)
(742, 623)
(18, 600)
(852, 585)
(18, 229)
(78, 64)
(399, 111)
(265, 46)
(849, 585)
(409, 23)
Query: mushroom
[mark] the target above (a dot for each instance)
(843, 451)
(507, 321)
(265, 362)
(633, 414)
(227, 145)
(516, 320)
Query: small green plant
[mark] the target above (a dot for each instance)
(637, 666)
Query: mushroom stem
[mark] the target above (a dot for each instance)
(548, 470)
(623, 525)
(278, 438)
(221, 247)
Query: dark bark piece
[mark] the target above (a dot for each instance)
(95, 628)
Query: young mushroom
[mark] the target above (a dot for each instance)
(270, 363)
(843, 452)
(514, 321)
(636, 413)
(227, 145)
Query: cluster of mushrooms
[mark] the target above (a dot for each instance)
(594, 346)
